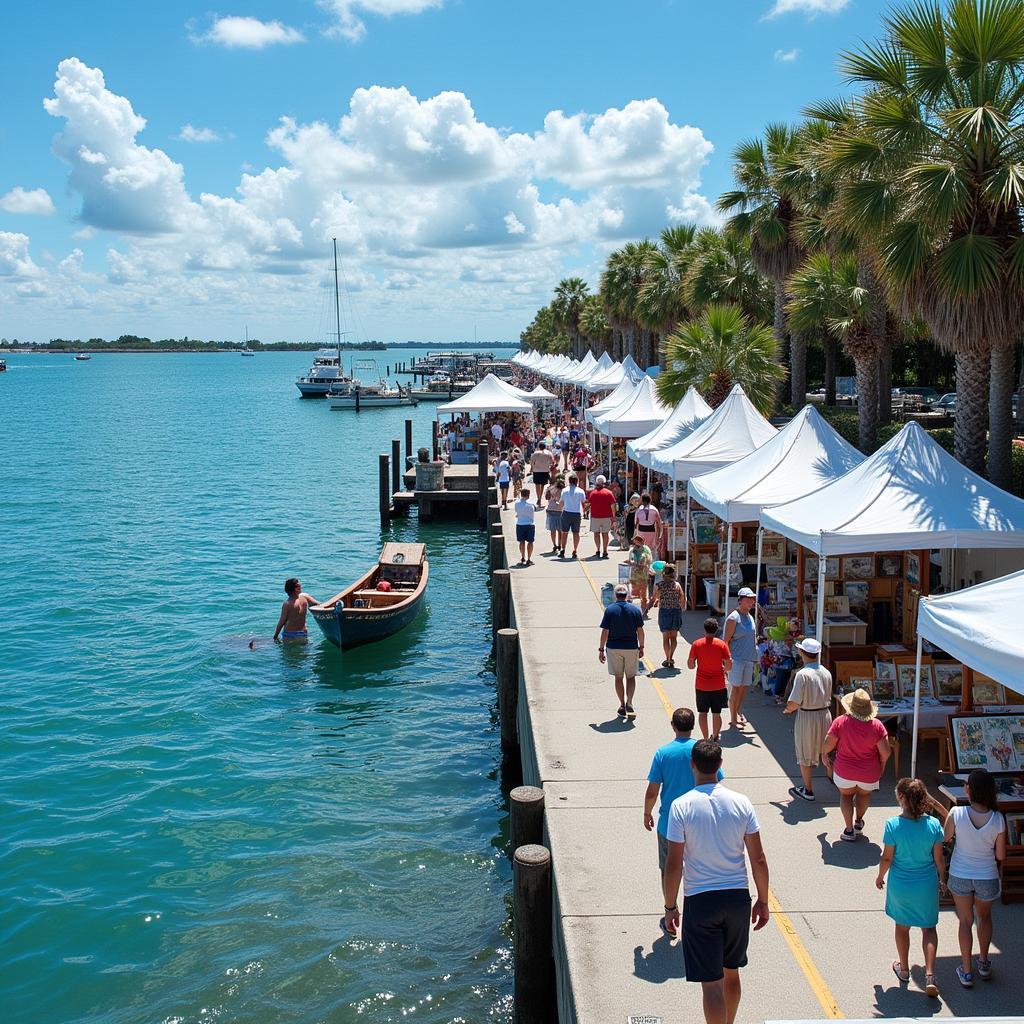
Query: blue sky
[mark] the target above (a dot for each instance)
(467, 154)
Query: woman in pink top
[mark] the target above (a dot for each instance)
(861, 747)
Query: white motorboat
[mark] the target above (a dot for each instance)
(82, 357)
(442, 388)
(359, 395)
(326, 373)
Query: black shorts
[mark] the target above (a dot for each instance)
(540, 479)
(716, 930)
(715, 701)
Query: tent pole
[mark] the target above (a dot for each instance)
(821, 597)
(728, 567)
(686, 539)
(757, 577)
(917, 707)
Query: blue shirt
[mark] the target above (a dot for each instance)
(622, 620)
(671, 769)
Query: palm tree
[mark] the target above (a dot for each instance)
(663, 299)
(721, 348)
(826, 292)
(721, 269)
(770, 177)
(594, 324)
(569, 297)
(621, 281)
(932, 165)
(544, 332)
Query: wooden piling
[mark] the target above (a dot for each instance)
(396, 465)
(382, 491)
(506, 657)
(526, 816)
(497, 551)
(533, 1000)
(494, 515)
(357, 398)
(483, 467)
(435, 441)
(408, 438)
(501, 593)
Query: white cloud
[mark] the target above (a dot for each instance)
(347, 14)
(28, 201)
(420, 193)
(189, 133)
(786, 56)
(811, 7)
(249, 33)
(15, 261)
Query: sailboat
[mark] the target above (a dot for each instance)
(247, 351)
(326, 373)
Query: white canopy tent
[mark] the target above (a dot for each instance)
(490, 395)
(980, 627)
(614, 375)
(730, 433)
(565, 370)
(623, 391)
(802, 457)
(690, 412)
(638, 414)
(540, 394)
(910, 494)
(584, 368)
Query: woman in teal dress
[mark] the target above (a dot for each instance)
(912, 858)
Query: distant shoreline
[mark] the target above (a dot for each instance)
(43, 350)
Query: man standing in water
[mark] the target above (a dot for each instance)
(293, 612)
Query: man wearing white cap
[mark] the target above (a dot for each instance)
(811, 702)
(741, 636)
(602, 509)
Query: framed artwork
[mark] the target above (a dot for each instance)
(1015, 829)
(704, 563)
(913, 572)
(986, 741)
(832, 567)
(885, 681)
(739, 552)
(768, 593)
(773, 551)
(781, 573)
(856, 593)
(949, 681)
(888, 565)
(837, 606)
(907, 673)
(859, 567)
(986, 691)
(735, 573)
(863, 683)
(811, 567)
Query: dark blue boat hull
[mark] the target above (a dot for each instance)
(352, 627)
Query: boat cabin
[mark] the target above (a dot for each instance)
(401, 565)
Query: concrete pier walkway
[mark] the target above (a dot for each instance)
(826, 954)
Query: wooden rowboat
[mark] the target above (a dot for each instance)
(361, 613)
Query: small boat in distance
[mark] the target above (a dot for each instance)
(247, 351)
(356, 395)
(3, 365)
(380, 603)
(81, 357)
(326, 372)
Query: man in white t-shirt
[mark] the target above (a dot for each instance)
(711, 830)
(497, 432)
(526, 531)
(572, 513)
(503, 474)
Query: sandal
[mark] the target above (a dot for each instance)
(903, 976)
(930, 988)
(984, 969)
(666, 663)
(858, 825)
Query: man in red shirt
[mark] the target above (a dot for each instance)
(601, 503)
(710, 657)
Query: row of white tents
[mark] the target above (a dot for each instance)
(808, 484)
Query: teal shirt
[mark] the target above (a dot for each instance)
(672, 771)
(913, 839)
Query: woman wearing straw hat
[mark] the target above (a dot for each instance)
(861, 747)
(810, 701)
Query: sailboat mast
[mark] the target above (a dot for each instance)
(337, 305)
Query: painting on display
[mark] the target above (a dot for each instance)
(739, 552)
(908, 673)
(836, 605)
(986, 691)
(831, 567)
(913, 572)
(987, 741)
(703, 528)
(859, 567)
(863, 683)
(704, 563)
(886, 687)
(949, 682)
(735, 573)
(781, 573)
(888, 565)
(773, 551)
(856, 593)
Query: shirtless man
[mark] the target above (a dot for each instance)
(293, 612)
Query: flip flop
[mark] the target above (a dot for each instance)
(903, 978)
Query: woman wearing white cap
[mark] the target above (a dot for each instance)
(741, 636)
(810, 702)
(862, 748)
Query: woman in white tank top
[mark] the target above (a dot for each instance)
(980, 832)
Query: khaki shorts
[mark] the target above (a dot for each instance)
(622, 663)
(809, 731)
(600, 526)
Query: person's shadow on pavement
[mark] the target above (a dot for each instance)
(663, 963)
(856, 855)
(907, 1001)
(615, 724)
(797, 811)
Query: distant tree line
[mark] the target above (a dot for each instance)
(133, 343)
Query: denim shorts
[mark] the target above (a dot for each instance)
(981, 888)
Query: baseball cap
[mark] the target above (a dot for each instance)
(600, 480)
(621, 589)
(809, 645)
(746, 592)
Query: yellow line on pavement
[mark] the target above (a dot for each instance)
(800, 952)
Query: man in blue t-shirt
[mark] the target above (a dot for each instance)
(622, 634)
(671, 775)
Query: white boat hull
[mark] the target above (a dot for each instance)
(370, 401)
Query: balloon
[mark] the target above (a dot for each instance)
(658, 566)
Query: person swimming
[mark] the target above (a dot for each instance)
(292, 623)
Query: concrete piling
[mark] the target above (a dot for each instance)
(497, 551)
(501, 594)
(382, 491)
(483, 469)
(534, 985)
(494, 516)
(506, 657)
(526, 816)
(396, 465)
(408, 438)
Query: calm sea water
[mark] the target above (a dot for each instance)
(193, 831)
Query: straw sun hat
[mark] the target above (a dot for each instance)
(859, 705)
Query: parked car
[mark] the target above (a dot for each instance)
(947, 403)
(923, 396)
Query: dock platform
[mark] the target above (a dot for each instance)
(827, 951)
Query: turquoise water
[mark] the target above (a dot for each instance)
(193, 831)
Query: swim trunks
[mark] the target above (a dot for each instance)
(295, 634)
